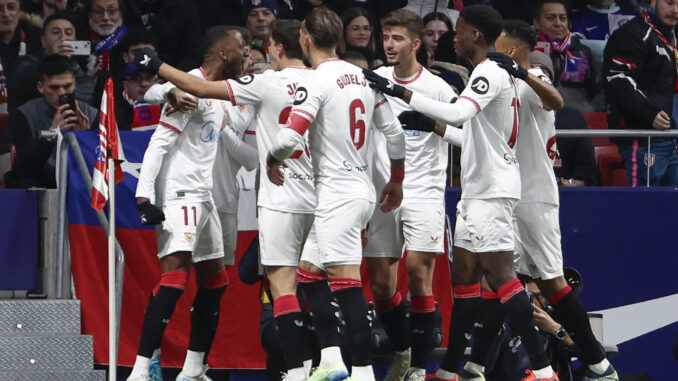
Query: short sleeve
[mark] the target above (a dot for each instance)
(484, 85)
(308, 98)
(249, 89)
(173, 119)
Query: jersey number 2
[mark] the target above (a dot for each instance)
(357, 125)
(282, 119)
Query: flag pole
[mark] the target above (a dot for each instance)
(112, 323)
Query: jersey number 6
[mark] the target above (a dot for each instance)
(357, 125)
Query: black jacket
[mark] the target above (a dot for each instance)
(640, 75)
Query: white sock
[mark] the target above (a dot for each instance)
(330, 357)
(193, 363)
(601, 367)
(296, 374)
(418, 370)
(544, 372)
(474, 368)
(141, 365)
(443, 374)
(308, 365)
(362, 373)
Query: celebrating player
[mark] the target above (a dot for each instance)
(419, 223)
(484, 237)
(335, 104)
(176, 175)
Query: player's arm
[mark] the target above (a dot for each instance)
(550, 96)
(148, 60)
(383, 118)
(449, 134)
(242, 152)
(162, 93)
(284, 144)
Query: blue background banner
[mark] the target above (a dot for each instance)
(19, 240)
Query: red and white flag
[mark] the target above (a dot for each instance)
(109, 148)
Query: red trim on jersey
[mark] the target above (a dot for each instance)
(423, 304)
(389, 304)
(303, 113)
(464, 291)
(250, 132)
(472, 101)
(285, 304)
(204, 76)
(380, 103)
(171, 127)
(230, 92)
(400, 81)
(298, 123)
(509, 290)
(397, 174)
(339, 284)
(173, 279)
(560, 294)
(214, 281)
(299, 67)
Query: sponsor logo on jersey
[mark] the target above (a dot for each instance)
(481, 238)
(190, 237)
(208, 133)
(300, 96)
(480, 85)
(434, 239)
(244, 80)
(552, 148)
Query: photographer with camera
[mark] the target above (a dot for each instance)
(34, 159)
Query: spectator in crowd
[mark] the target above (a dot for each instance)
(435, 25)
(575, 165)
(176, 24)
(450, 8)
(600, 19)
(640, 90)
(260, 14)
(17, 38)
(258, 60)
(574, 68)
(358, 33)
(515, 9)
(36, 11)
(219, 12)
(56, 33)
(36, 158)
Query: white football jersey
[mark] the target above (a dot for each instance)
(337, 100)
(271, 93)
(489, 167)
(536, 147)
(179, 158)
(425, 152)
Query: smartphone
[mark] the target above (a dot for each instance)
(68, 99)
(80, 48)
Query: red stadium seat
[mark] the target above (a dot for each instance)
(597, 121)
(3, 124)
(610, 165)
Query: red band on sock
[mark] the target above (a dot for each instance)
(509, 289)
(489, 295)
(397, 175)
(339, 284)
(390, 304)
(466, 291)
(558, 296)
(174, 279)
(304, 276)
(285, 304)
(423, 304)
(214, 281)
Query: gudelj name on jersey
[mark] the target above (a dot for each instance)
(350, 79)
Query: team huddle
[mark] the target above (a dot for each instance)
(352, 167)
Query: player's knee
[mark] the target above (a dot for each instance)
(213, 281)
(381, 289)
(172, 279)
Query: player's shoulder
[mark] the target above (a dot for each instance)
(489, 69)
(384, 71)
(539, 73)
(434, 81)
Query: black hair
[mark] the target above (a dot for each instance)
(54, 64)
(137, 35)
(59, 15)
(438, 16)
(353, 55)
(213, 35)
(521, 31)
(286, 32)
(487, 20)
(541, 3)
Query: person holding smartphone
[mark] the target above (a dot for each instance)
(35, 158)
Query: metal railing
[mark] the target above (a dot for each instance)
(69, 140)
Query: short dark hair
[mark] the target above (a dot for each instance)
(407, 19)
(541, 3)
(286, 32)
(137, 35)
(487, 20)
(438, 16)
(54, 64)
(213, 35)
(521, 31)
(59, 15)
(324, 26)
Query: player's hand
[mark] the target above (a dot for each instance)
(150, 214)
(662, 121)
(181, 101)
(146, 59)
(391, 196)
(543, 320)
(505, 62)
(414, 120)
(274, 170)
(384, 85)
